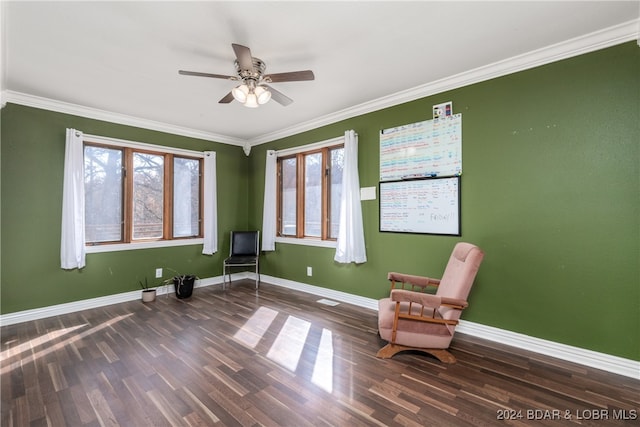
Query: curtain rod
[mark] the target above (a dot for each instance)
(142, 145)
(311, 146)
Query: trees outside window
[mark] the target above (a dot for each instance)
(133, 195)
(309, 186)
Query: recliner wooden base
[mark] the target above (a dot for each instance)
(390, 350)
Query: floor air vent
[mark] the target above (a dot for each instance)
(328, 302)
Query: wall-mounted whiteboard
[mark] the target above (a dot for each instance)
(430, 206)
(423, 149)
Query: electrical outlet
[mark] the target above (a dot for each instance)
(309, 271)
(158, 273)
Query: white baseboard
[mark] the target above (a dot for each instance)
(594, 359)
(71, 307)
(323, 292)
(606, 362)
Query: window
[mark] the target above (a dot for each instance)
(148, 196)
(103, 194)
(309, 187)
(186, 195)
(133, 194)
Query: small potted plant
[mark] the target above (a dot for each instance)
(183, 284)
(148, 293)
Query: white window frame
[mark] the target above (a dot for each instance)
(115, 247)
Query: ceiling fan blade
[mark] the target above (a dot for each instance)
(227, 99)
(293, 76)
(279, 97)
(198, 74)
(243, 54)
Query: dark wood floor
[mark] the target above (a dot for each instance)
(276, 357)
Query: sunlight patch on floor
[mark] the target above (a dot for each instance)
(287, 347)
(254, 329)
(15, 357)
(323, 368)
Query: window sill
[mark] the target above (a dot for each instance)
(307, 242)
(94, 249)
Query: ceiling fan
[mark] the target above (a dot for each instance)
(253, 90)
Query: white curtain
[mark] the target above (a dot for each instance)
(269, 208)
(210, 219)
(350, 245)
(72, 245)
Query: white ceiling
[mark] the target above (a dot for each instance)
(122, 57)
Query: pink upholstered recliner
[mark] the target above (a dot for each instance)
(412, 319)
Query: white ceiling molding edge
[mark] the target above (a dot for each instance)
(580, 45)
(123, 119)
(573, 47)
(3, 50)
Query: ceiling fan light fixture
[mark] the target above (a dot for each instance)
(251, 101)
(250, 73)
(240, 93)
(263, 95)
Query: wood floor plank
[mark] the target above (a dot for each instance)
(141, 405)
(205, 414)
(102, 409)
(277, 357)
(69, 408)
(54, 414)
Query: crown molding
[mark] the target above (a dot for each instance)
(3, 51)
(573, 47)
(123, 119)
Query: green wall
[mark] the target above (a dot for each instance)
(32, 169)
(550, 191)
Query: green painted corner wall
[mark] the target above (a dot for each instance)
(32, 161)
(550, 191)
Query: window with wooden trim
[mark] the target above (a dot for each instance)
(134, 195)
(309, 190)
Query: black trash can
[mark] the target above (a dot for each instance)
(184, 285)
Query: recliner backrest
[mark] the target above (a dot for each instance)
(460, 271)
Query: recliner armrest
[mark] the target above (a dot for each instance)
(421, 281)
(427, 300)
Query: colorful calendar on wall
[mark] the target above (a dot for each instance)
(422, 150)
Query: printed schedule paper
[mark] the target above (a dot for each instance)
(420, 150)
